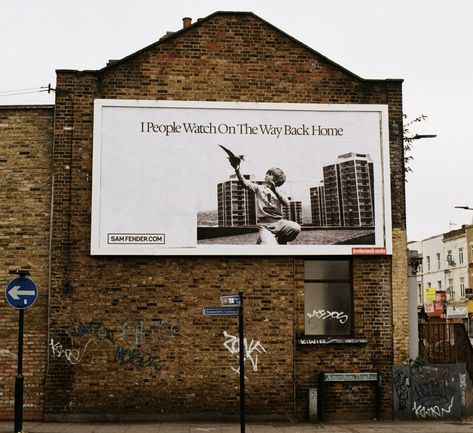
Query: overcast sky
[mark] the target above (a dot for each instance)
(428, 43)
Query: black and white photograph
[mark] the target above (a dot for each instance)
(238, 178)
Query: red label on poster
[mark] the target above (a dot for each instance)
(367, 251)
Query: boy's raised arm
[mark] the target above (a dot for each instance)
(245, 182)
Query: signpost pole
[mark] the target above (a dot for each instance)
(233, 305)
(242, 365)
(19, 376)
(20, 293)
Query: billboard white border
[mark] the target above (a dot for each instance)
(240, 250)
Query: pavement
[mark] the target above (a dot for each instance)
(420, 426)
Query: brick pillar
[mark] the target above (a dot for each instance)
(400, 297)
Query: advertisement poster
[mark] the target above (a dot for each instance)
(219, 178)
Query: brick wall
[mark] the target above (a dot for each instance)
(228, 57)
(128, 335)
(25, 197)
(372, 320)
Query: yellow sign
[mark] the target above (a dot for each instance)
(430, 294)
(470, 306)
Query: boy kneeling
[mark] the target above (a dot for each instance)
(273, 228)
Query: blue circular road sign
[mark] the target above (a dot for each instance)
(21, 293)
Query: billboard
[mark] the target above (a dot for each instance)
(220, 178)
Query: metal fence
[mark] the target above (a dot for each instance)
(445, 343)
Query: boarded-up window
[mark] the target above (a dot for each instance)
(328, 297)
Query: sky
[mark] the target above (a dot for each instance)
(427, 43)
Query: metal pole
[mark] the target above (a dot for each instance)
(19, 378)
(242, 365)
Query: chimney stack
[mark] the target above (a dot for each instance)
(186, 22)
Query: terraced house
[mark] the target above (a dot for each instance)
(110, 199)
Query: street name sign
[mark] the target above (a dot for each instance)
(21, 293)
(223, 311)
(350, 377)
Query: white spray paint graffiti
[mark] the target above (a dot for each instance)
(133, 329)
(326, 314)
(72, 355)
(431, 412)
(154, 331)
(232, 344)
(7, 354)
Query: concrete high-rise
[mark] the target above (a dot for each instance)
(236, 205)
(346, 198)
(317, 205)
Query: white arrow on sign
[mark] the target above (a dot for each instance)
(15, 292)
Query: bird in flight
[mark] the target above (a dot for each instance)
(234, 160)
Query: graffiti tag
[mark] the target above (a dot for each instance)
(326, 314)
(431, 412)
(251, 350)
(135, 357)
(70, 354)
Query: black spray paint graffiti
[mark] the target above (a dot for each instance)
(425, 392)
(126, 356)
(94, 329)
(430, 374)
(401, 385)
(133, 332)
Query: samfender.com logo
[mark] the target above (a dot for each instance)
(136, 238)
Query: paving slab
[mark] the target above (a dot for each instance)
(111, 428)
(47, 428)
(210, 427)
(145, 428)
(230, 428)
(205, 428)
(296, 428)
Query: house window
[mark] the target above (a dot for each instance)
(449, 258)
(428, 263)
(439, 284)
(451, 289)
(460, 256)
(462, 287)
(328, 306)
(439, 265)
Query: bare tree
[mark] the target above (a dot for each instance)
(409, 137)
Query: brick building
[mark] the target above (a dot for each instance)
(124, 336)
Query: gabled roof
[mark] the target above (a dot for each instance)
(202, 21)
